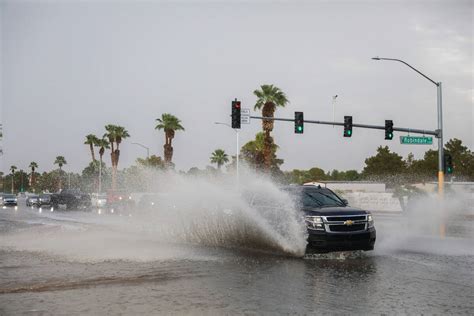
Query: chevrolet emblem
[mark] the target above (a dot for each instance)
(348, 222)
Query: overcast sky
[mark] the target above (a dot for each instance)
(69, 68)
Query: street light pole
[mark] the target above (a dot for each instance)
(237, 147)
(440, 123)
(143, 146)
(21, 177)
(100, 177)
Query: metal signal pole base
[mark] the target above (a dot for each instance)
(442, 225)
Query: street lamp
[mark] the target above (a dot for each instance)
(143, 146)
(440, 123)
(237, 144)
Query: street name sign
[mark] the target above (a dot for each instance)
(245, 116)
(416, 140)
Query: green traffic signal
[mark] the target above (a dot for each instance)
(448, 163)
(347, 126)
(388, 129)
(299, 122)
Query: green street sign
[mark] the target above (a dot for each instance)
(416, 140)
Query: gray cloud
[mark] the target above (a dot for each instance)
(70, 68)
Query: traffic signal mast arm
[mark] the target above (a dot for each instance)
(382, 127)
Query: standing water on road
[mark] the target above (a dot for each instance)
(203, 248)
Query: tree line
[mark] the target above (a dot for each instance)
(259, 154)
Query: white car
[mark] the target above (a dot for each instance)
(98, 200)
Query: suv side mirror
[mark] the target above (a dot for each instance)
(346, 202)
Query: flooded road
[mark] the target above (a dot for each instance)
(76, 263)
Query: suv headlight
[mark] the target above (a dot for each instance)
(370, 220)
(314, 222)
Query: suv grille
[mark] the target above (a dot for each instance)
(345, 218)
(345, 228)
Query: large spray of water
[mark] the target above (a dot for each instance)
(189, 211)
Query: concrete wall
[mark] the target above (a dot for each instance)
(359, 186)
(372, 201)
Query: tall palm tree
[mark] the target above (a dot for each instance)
(115, 134)
(60, 161)
(103, 144)
(170, 124)
(33, 166)
(91, 140)
(12, 169)
(219, 157)
(269, 98)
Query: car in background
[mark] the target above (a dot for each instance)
(119, 201)
(71, 198)
(32, 200)
(10, 200)
(332, 225)
(44, 199)
(148, 201)
(98, 200)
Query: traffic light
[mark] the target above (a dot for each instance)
(448, 164)
(389, 129)
(347, 126)
(235, 114)
(299, 123)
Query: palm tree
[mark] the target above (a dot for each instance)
(60, 161)
(269, 98)
(170, 124)
(12, 169)
(33, 166)
(115, 134)
(253, 152)
(219, 157)
(91, 140)
(103, 144)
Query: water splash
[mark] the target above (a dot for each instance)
(191, 212)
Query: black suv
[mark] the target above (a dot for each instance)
(72, 198)
(333, 225)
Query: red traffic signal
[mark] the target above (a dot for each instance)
(235, 114)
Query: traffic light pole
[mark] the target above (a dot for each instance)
(440, 130)
(398, 129)
(440, 122)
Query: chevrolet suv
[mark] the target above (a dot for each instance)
(332, 225)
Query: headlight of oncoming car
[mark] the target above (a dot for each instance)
(370, 220)
(314, 222)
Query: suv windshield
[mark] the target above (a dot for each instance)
(316, 197)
